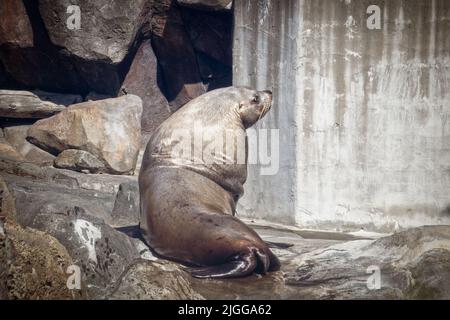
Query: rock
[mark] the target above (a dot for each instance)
(25, 104)
(58, 98)
(79, 160)
(210, 5)
(126, 206)
(36, 265)
(103, 183)
(32, 264)
(108, 27)
(109, 129)
(34, 197)
(410, 264)
(16, 137)
(142, 80)
(210, 33)
(176, 56)
(15, 26)
(146, 280)
(7, 206)
(8, 152)
(101, 253)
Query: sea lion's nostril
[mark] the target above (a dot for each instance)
(268, 91)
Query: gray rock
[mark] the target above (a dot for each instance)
(16, 136)
(210, 5)
(79, 160)
(142, 80)
(25, 104)
(34, 197)
(101, 253)
(410, 264)
(108, 28)
(126, 206)
(146, 280)
(109, 129)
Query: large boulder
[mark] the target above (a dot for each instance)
(8, 152)
(142, 80)
(176, 55)
(25, 104)
(108, 28)
(16, 137)
(109, 129)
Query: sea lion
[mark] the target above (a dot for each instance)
(188, 203)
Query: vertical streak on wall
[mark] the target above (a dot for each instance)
(364, 115)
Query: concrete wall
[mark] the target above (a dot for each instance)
(364, 115)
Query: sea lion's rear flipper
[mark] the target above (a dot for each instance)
(242, 265)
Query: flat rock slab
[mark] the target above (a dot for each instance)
(25, 105)
(79, 160)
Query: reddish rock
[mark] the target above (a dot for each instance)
(142, 80)
(15, 26)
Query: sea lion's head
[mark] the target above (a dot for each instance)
(253, 105)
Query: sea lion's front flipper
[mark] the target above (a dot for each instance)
(242, 266)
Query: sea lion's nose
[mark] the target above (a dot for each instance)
(268, 91)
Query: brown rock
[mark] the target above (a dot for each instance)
(15, 27)
(176, 56)
(142, 80)
(109, 129)
(8, 152)
(16, 137)
(36, 265)
(79, 160)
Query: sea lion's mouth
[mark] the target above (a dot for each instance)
(267, 103)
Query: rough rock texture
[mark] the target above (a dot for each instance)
(8, 152)
(142, 80)
(109, 129)
(36, 265)
(15, 27)
(101, 252)
(79, 160)
(108, 28)
(411, 265)
(25, 104)
(212, 5)
(16, 137)
(146, 280)
(176, 56)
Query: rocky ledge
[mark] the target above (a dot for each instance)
(57, 222)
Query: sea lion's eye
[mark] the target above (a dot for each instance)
(255, 98)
